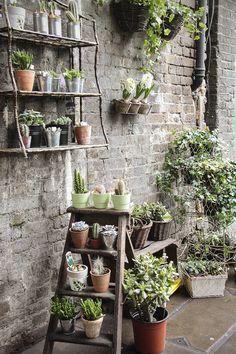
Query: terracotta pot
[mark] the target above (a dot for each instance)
(83, 134)
(95, 243)
(149, 337)
(79, 238)
(25, 80)
(26, 141)
(92, 328)
(101, 282)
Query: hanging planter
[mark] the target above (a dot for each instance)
(130, 17)
(174, 27)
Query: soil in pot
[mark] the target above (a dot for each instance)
(79, 238)
(101, 282)
(83, 134)
(25, 80)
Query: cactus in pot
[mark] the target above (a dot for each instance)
(101, 197)
(40, 18)
(73, 25)
(100, 275)
(80, 195)
(79, 233)
(25, 134)
(95, 240)
(121, 197)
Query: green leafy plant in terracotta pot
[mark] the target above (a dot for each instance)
(22, 62)
(80, 194)
(65, 310)
(79, 233)
(101, 197)
(147, 287)
(121, 197)
(100, 275)
(92, 317)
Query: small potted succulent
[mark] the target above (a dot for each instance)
(55, 81)
(80, 195)
(83, 133)
(92, 317)
(63, 123)
(41, 18)
(100, 197)
(108, 236)
(79, 233)
(77, 273)
(16, 15)
(141, 226)
(95, 240)
(73, 25)
(55, 27)
(100, 275)
(128, 87)
(22, 62)
(121, 197)
(25, 134)
(65, 310)
(44, 81)
(35, 121)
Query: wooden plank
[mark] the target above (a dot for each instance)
(154, 247)
(104, 340)
(61, 148)
(95, 252)
(94, 211)
(50, 94)
(88, 292)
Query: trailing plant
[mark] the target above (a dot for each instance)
(79, 183)
(79, 226)
(63, 308)
(148, 284)
(52, 7)
(92, 309)
(31, 117)
(43, 6)
(22, 60)
(73, 11)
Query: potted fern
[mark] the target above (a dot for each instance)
(100, 275)
(65, 310)
(121, 197)
(73, 25)
(100, 197)
(22, 62)
(80, 195)
(92, 317)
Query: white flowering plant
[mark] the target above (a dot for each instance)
(144, 86)
(128, 87)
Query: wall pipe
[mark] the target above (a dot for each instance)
(200, 69)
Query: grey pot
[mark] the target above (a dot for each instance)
(44, 83)
(41, 22)
(67, 326)
(53, 138)
(108, 239)
(55, 85)
(73, 30)
(73, 85)
(82, 85)
(16, 16)
(55, 26)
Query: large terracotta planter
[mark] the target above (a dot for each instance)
(80, 200)
(25, 80)
(101, 282)
(149, 337)
(79, 238)
(83, 134)
(92, 328)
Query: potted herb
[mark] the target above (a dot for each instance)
(121, 198)
(73, 25)
(128, 87)
(82, 133)
(100, 275)
(101, 197)
(77, 273)
(95, 240)
(55, 27)
(108, 236)
(22, 62)
(41, 18)
(55, 81)
(25, 134)
(92, 317)
(80, 195)
(64, 124)
(65, 310)
(161, 219)
(16, 15)
(79, 234)
(44, 81)
(141, 226)
(147, 287)
(35, 121)
(73, 80)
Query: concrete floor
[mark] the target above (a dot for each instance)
(194, 326)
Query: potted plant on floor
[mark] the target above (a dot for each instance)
(16, 15)
(83, 133)
(77, 273)
(80, 195)
(147, 287)
(73, 25)
(101, 197)
(92, 317)
(35, 121)
(55, 27)
(128, 87)
(22, 62)
(121, 197)
(79, 234)
(64, 124)
(100, 275)
(140, 226)
(108, 236)
(25, 134)
(41, 18)
(95, 240)
(65, 310)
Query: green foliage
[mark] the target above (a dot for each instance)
(92, 309)
(153, 210)
(194, 268)
(63, 120)
(54, 74)
(22, 60)
(63, 308)
(73, 11)
(52, 7)
(148, 284)
(73, 74)
(121, 188)
(79, 183)
(43, 7)
(31, 117)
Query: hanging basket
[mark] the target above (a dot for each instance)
(140, 234)
(174, 27)
(130, 17)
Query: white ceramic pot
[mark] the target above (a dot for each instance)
(16, 17)
(78, 279)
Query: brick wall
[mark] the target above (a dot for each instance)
(35, 192)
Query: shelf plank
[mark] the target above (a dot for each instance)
(154, 246)
(52, 149)
(94, 211)
(104, 340)
(87, 292)
(50, 94)
(95, 252)
(46, 39)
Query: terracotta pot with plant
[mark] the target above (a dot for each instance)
(65, 310)
(100, 275)
(100, 197)
(79, 233)
(83, 133)
(80, 194)
(155, 277)
(73, 25)
(22, 62)
(92, 317)
(95, 240)
(121, 197)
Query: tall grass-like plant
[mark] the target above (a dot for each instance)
(22, 60)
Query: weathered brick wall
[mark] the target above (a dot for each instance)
(222, 80)
(35, 192)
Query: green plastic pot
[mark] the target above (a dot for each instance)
(101, 201)
(121, 202)
(80, 200)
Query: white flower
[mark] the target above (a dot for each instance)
(147, 80)
(128, 85)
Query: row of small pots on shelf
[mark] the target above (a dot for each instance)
(129, 107)
(47, 20)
